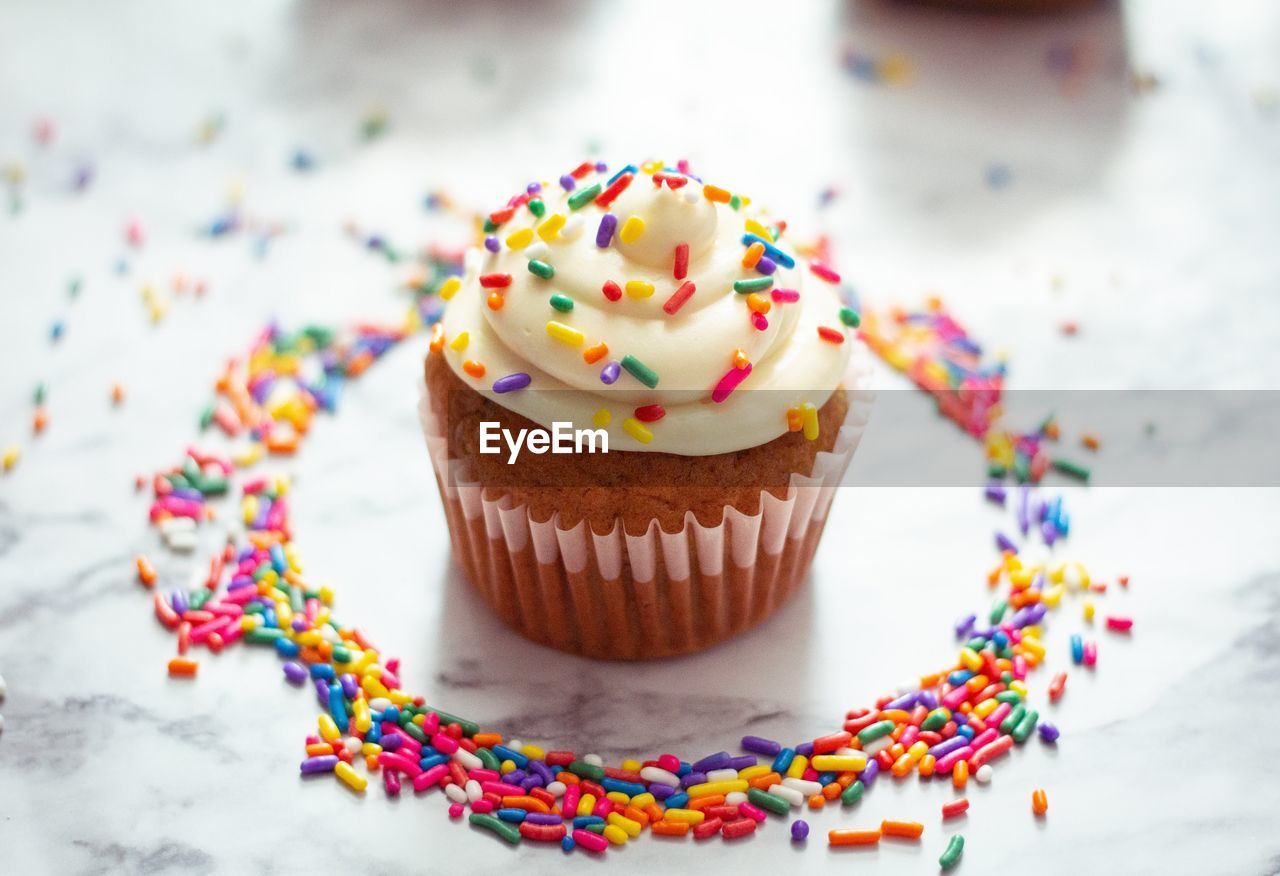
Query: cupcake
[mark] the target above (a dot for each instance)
(638, 403)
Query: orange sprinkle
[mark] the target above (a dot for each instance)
(795, 419)
(752, 255)
(182, 667)
(853, 837)
(1039, 801)
(960, 774)
(359, 363)
(437, 337)
(704, 802)
(146, 571)
(40, 420)
(487, 740)
(716, 194)
(495, 301)
(1090, 441)
(671, 828)
(474, 368)
(740, 359)
(594, 354)
(758, 303)
(902, 829)
(817, 801)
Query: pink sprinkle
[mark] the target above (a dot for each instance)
(785, 296)
(752, 811)
(592, 842)
(824, 272)
(669, 762)
(455, 810)
(729, 383)
(758, 320)
(484, 807)
(430, 777)
(1120, 624)
(1090, 653)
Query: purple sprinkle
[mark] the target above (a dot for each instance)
(512, 382)
(661, 790)
(179, 601)
(741, 762)
(1032, 614)
(1049, 531)
(542, 770)
(995, 493)
(491, 243)
(928, 700)
(515, 777)
(601, 167)
(1049, 733)
(533, 188)
(965, 625)
(1004, 543)
(799, 829)
(760, 745)
(869, 773)
(296, 673)
(391, 742)
(805, 749)
(544, 818)
(567, 182)
(300, 624)
(716, 761)
(766, 265)
(604, 234)
(322, 693)
(350, 688)
(906, 702)
(947, 746)
(322, 764)
(531, 782)
(609, 373)
(694, 778)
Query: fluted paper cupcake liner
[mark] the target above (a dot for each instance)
(639, 597)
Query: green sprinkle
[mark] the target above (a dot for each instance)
(541, 269)
(951, 857)
(39, 393)
(537, 208)
(850, 317)
(587, 770)
(875, 731)
(341, 654)
(1075, 469)
(755, 284)
(488, 758)
(640, 371)
(469, 728)
(508, 832)
(936, 720)
(199, 598)
(1013, 718)
(1025, 726)
(562, 303)
(997, 611)
(765, 800)
(73, 287)
(414, 730)
(1021, 470)
(735, 202)
(1008, 696)
(853, 793)
(997, 471)
(582, 197)
(206, 417)
(490, 226)
(263, 636)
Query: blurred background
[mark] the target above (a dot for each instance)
(1092, 190)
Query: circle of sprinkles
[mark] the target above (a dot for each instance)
(954, 721)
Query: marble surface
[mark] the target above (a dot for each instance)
(1149, 218)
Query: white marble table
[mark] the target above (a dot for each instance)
(1149, 219)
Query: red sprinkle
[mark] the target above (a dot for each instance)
(495, 281)
(1120, 624)
(956, 807)
(682, 261)
(498, 217)
(582, 170)
(835, 336)
(650, 413)
(605, 198)
(677, 299)
(612, 290)
(740, 828)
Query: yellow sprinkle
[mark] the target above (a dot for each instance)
(618, 797)
(629, 765)
(631, 229)
(601, 418)
(639, 288)
(520, 239)
(450, 288)
(798, 765)
(685, 816)
(706, 789)
(10, 458)
(651, 167)
(631, 827)
(350, 777)
(565, 334)
(460, 342)
(615, 834)
(760, 769)
(810, 412)
(328, 729)
(759, 230)
(642, 800)
(551, 226)
(535, 752)
(586, 803)
(1088, 610)
(841, 763)
(637, 430)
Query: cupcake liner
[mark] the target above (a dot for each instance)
(637, 597)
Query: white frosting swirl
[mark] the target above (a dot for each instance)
(690, 350)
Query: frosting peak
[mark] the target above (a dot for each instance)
(666, 310)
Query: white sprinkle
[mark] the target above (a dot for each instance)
(735, 798)
(474, 792)
(791, 795)
(573, 228)
(537, 250)
(467, 759)
(455, 793)
(983, 775)
(726, 775)
(593, 759)
(658, 774)
(556, 789)
(804, 787)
